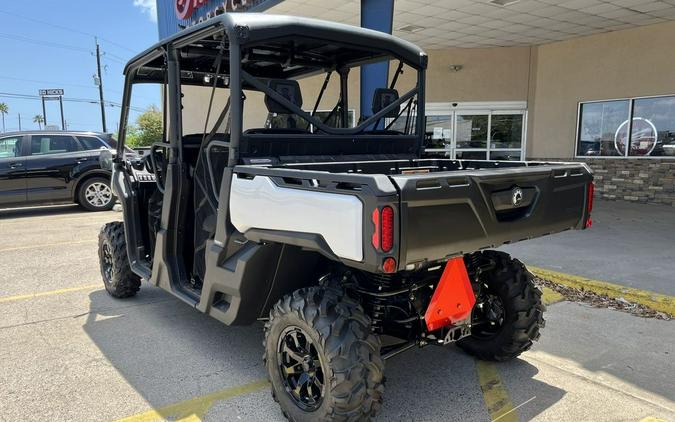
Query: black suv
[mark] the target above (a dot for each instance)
(45, 167)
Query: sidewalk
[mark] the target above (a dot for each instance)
(629, 244)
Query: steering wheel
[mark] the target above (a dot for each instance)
(157, 164)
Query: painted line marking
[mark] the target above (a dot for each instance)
(652, 419)
(495, 395)
(550, 296)
(48, 293)
(47, 245)
(656, 301)
(195, 409)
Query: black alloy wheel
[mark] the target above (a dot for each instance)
(300, 368)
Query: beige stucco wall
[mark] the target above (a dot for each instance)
(635, 62)
(488, 74)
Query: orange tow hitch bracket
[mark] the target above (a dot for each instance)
(453, 298)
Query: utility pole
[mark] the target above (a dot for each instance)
(100, 84)
(19, 122)
(44, 111)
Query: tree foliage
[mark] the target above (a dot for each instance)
(147, 130)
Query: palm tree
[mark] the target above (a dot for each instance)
(39, 120)
(4, 109)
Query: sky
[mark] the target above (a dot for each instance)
(48, 44)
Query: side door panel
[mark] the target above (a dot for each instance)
(12, 171)
(50, 167)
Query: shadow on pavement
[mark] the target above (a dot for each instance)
(47, 211)
(169, 352)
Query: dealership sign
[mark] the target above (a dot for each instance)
(50, 92)
(186, 8)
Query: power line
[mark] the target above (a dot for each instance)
(69, 99)
(35, 81)
(43, 43)
(65, 28)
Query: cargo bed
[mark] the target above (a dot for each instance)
(442, 207)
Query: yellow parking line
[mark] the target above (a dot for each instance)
(655, 301)
(48, 293)
(194, 409)
(46, 245)
(495, 396)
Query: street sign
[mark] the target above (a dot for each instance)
(45, 92)
(51, 98)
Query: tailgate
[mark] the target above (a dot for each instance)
(451, 213)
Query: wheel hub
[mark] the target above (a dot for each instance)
(300, 368)
(98, 194)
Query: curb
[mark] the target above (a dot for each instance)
(655, 301)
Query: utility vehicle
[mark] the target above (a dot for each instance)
(338, 236)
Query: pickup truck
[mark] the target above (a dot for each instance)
(348, 245)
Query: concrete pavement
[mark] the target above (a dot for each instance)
(629, 244)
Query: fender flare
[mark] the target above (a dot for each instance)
(86, 176)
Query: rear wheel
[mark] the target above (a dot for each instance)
(95, 194)
(322, 359)
(119, 280)
(508, 313)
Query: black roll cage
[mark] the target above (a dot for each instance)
(237, 35)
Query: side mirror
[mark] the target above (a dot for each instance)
(105, 160)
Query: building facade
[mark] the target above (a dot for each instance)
(583, 80)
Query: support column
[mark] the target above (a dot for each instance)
(377, 15)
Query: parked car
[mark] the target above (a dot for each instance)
(51, 167)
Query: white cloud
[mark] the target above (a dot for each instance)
(149, 7)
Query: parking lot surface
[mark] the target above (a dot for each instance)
(629, 244)
(69, 352)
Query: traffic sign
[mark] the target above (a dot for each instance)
(45, 92)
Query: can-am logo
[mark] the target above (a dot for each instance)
(186, 8)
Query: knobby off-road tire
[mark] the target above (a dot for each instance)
(523, 312)
(119, 280)
(334, 328)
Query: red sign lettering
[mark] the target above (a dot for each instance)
(186, 8)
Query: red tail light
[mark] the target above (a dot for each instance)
(376, 232)
(383, 230)
(387, 229)
(589, 205)
(389, 265)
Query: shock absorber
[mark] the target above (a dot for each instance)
(376, 305)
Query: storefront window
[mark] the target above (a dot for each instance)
(606, 126)
(599, 128)
(653, 128)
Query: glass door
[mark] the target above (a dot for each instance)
(476, 131)
(471, 135)
(507, 130)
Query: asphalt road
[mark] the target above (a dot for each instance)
(69, 352)
(629, 244)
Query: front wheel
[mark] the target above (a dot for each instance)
(508, 313)
(95, 194)
(323, 362)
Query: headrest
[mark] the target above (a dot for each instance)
(382, 98)
(288, 89)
